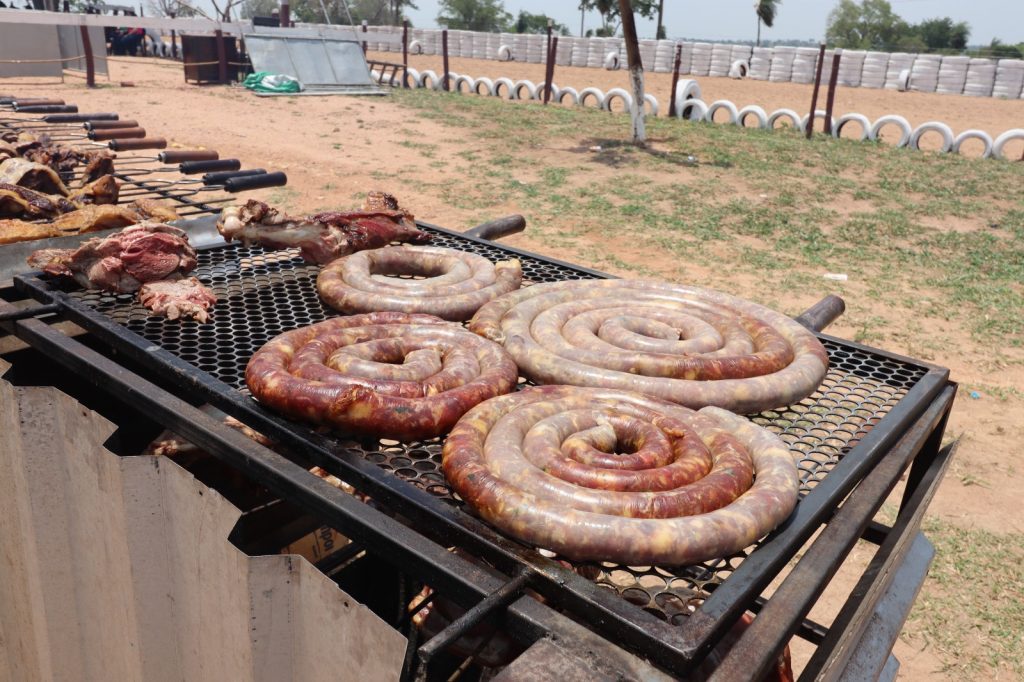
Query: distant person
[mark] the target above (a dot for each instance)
(128, 40)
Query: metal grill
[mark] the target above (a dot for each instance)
(262, 294)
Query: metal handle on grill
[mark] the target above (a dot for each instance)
(144, 143)
(496, 229)
(117, 134)
(181, 155)
(104, 124)
(276, 179)
(80, 118)
(221, 178)
(193, 167)
(29, 101)
(47, 109)
(823, 313)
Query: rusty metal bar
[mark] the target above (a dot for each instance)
(444, 53)
(814, 95)
(823, 313)
(90, 66)
(675, 81)
(833, 79)
(461, 625)
(405, 54)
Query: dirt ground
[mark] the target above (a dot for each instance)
(335, 149)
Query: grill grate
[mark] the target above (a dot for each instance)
(262, 294)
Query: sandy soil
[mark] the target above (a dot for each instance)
(335, 149)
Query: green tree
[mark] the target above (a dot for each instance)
(609, 11)
(1000, 50)
(867, 25)
(943, 34)
(537, 23)
(474, 15)
(766, 10)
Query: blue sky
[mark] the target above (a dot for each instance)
(797, 19)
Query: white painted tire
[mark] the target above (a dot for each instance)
(903, 81)
(509, 86)
(755, 111)
(1012, 134)
(973, 134)
(569, 92)
(554, 91)
(531, 90)
(932, 126)
(739, 69)
(892, 119)
(818, 113)
(486, 83)
(413, 77)
(428, 74)
(652, 104)
(611, 61)
(468, 81)
(627, 99)
(415, 47)
(721, 104)
(596, 93)
(793, 117)
(861, 119)
(505, 53)
(694, 110)
(686, 89)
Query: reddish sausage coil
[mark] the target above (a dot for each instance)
(691, 486)
(456, 283)
(693, 346)
(385, 374)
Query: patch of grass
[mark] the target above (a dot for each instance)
(973, 563)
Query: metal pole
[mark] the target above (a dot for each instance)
(833, 79)
(675, 81)
(222, 57)
(548, 67)
(90, 67)
(551, 69)
(814, 95)
(174, 41)
(444, 52)
(405, 53)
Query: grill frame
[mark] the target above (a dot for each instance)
(677, 647)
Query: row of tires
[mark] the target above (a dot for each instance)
(690, 106)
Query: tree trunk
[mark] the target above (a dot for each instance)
(636, 71)
(660, 32)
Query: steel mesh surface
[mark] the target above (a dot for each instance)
(262, 294)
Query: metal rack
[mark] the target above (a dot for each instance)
(876, 417)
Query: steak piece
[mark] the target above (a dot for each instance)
(21, 202)
(124, 261)
(86, 219)
(97, 164)
(104, 190)
(35, 176)
(322, 237)
(178, 298)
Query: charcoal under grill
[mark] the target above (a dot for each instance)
(866, 403)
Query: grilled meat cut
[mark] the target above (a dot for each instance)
(35, 176)
(103, 190)
(21, 202)
(87, 219)
(322, 237)
(124, 261)
(97, 164)
(178, 298)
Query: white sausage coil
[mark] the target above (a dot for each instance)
(455, 284)
(693, 346)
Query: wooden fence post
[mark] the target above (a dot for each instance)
(814, 95)
(90, 66)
